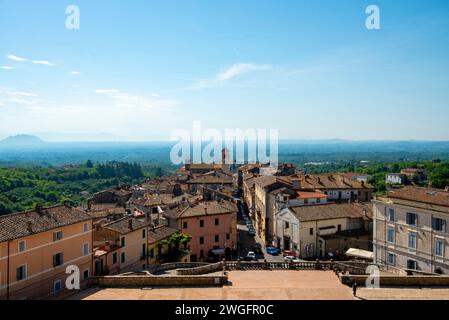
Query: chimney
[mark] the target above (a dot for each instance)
(205, 210)
(89, 205)
(38, 208)
(107, 246)
(30, 226)
(130, 224)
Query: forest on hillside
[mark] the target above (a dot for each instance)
(437, 171)
(21, 187)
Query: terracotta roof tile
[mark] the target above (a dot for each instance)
(23, 224)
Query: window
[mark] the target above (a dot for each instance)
(152, 253)
(184, 224)
(201, 240)
(217, 221)
(287, 225)
(412, 219)
(391, 214)
(21, 273)
(86, 249)
(217, 238)
(122, 241)
(391, 259)
(85, 227)
(144, 250)
(57, 236)
(311, 231)
(144, 233)
(114, 258)
(201, 223)
(85, 274)
(390, 235)
(228, 236)
(22, 246)
(122, 257)
(411, 264)
(339, 228)
(439, 248)
(57, 286)
(412, 240)
(306, 201)
(439, 224)
(318, 200)
(58, 259)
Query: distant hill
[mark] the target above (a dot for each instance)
(22, 140)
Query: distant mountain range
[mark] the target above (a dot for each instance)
(23, 140)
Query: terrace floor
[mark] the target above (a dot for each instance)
(245, 285)
(268, 285)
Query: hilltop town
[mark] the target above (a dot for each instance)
(227, 217)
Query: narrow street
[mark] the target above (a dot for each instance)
(247, 242)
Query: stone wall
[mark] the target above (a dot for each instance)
(154, 269)
(209, 268)
(396, 280)
(149, 281)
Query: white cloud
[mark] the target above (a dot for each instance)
(241, 68)
(15, 58)
(21, 93)
(230, 73)
(75, 73)
(47, 63)
(20, 59)
(106, 91)
(126, 100)
(156, 95)
(6, 67)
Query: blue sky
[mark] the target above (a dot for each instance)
(137, 70)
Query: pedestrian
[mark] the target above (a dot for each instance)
(354, 288)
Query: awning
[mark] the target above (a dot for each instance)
(359, 253)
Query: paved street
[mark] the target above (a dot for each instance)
(247, 242)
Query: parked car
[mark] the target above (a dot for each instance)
(273, 251)
(289, 258)
(288, 253)
(251, 256)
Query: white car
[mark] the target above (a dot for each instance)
(251, 255)
(289, 258)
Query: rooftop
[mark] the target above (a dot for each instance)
(160, 233)
(124, 226)
(332, 211)
(208, 208)
(425, 195)
(23, 224)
